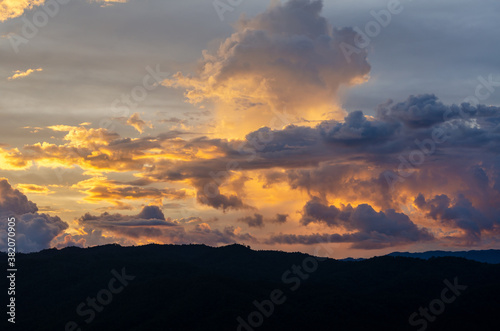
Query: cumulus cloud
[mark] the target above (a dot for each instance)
(34, 231)
(69, 241)
(288, 57)
(426, 110)
(460, 213)
(368, 229)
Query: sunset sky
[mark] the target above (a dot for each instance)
(370, 126)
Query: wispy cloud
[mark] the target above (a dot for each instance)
(33, 188)
(137, 123)
(21, 74)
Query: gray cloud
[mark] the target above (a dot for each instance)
(372, 229)
(258, 220)
(34, 231)
(462, 214)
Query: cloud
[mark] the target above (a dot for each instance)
(150, 225)
(344, 162)
(13, 201)
(357, 129)
(99, 189)
(460, 213)
(368, 228)
(32, 188)
(280, 218)
(34, 231)
(15, 8)
(258, 221)
(21, 74)
(149, 216)
(137, 123)
(425, 110)
(69, 241)
(107, 3)
(288, 57)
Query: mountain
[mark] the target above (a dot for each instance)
(196, 287)
(487, 256)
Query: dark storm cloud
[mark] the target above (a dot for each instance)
(255, 221)
(209, 194)
(371, 229)
(34, 231)
(357, 129)
(280, 218)
(460, 213)
(13, 201)
(425, 111)
(258, 220)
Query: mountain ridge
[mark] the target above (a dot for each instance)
(198, 287)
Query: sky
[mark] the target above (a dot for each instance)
(364, 126)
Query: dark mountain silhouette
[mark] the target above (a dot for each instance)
(196, 287)
(487, 256)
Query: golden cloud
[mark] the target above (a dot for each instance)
(286, 59)
(99, 189)
(15, 8)
(21, 74)
(32, 188)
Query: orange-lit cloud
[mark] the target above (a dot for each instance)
(32, 188)
(137, 123)
(21, 74)
(329, 179)
(100, 189)
(15, 8)
(286, 60)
